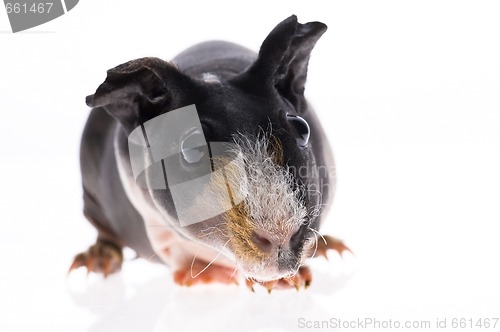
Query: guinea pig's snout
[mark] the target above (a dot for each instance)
(262, 241)
(261, 229)
(274, 255)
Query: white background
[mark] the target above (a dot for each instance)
(409, 93)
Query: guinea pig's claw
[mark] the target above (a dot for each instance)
(269, 285)
(79, 261)
(306, 276)
(330, 243)
(250, 284)
(292, 282)
(102, 257)
(302, 279)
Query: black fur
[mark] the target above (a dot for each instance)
(255, 92)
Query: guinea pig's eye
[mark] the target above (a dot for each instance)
(303, 131)
(192, 146)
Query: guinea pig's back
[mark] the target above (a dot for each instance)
(219, 58)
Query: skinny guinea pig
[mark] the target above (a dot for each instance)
(283, 175)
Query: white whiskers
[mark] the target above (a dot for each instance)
(208, 265)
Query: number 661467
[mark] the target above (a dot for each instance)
(24, 8)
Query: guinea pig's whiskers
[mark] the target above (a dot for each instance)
(294, 283)
(268, 185)
(205, 235)
(315, 231)
(208, 265)
(211, 233)
(212, 230)
(192, 264)
(234, 273)
(152, 256)
(315, 243)
(314, 212)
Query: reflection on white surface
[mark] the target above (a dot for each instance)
(159, 305)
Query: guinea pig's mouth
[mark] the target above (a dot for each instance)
(267, 275)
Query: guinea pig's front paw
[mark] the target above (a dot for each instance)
(102, 257)
(326, 243)
(201, 272)
(302, 279)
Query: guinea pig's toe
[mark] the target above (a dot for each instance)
(330, 243)
(102, 257)
(270, 285)
(301, 280)
(201, 272)
(305, 276)
(79, 261)
(250, 283)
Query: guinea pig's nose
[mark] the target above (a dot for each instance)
(262, 242)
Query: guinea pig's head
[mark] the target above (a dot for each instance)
(263, 194)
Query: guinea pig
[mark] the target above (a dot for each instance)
(154, 182)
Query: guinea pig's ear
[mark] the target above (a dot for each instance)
(283, 59)
(140, 90)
